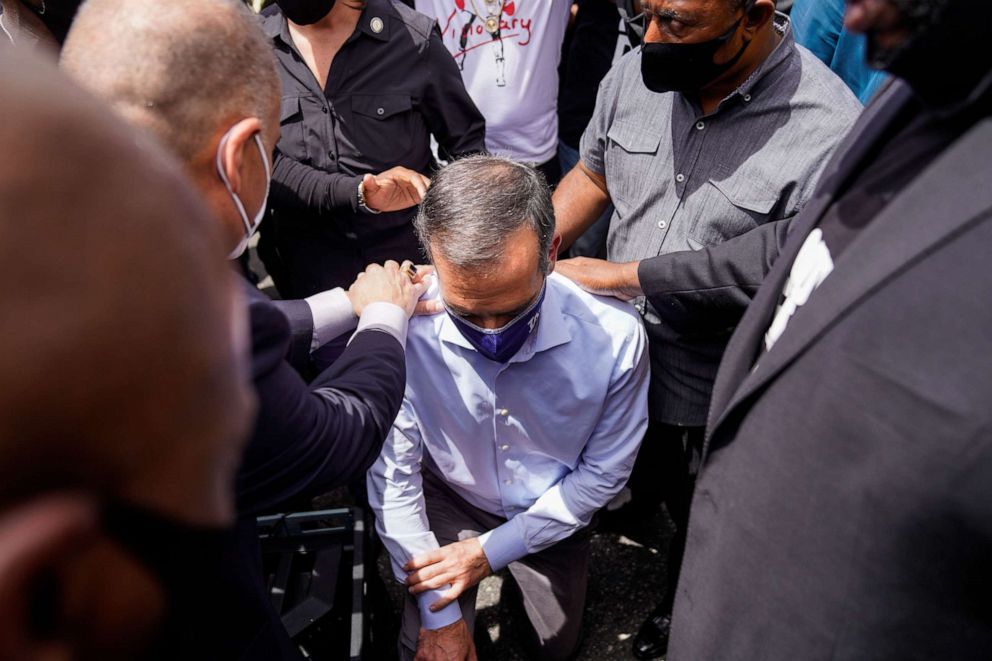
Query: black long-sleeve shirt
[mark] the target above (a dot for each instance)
(390, 87)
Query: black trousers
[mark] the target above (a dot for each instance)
(665, 471)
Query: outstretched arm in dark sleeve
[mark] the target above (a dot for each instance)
(310, 439)
(698, 291)
(301, 187)
(693, 291)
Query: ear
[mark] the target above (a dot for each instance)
(232, 154)
(553, 251)
(37, 540)
(760, 14)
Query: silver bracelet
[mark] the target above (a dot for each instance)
(361, 200)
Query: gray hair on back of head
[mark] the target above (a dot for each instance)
(176, 67)
(474, 203)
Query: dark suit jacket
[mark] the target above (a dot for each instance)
(844, 505)
(307, 440)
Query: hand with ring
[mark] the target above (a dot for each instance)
(401, 285)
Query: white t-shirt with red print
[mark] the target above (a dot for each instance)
(508, 53)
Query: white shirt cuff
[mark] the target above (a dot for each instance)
(442, 618)
(502, 545)
(332, 316)
(386, 317)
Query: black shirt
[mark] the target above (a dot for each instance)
(390, 87)
(587, 59)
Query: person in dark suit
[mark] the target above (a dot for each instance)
(844, 505)
(307, 438)
(120, 412)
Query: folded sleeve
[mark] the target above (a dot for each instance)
(395, 487)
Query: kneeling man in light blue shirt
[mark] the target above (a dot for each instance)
(525, 405)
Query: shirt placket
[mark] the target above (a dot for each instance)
(685, 172)
(309, 81)
(332, 93)
(681, 173)
(503, 443)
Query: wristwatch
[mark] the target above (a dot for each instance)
(361, 199)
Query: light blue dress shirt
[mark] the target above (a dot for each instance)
(544, 441)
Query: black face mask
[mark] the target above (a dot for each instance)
(939, 58)
(917, 16)
(686, 67)
(190, 563)
(305, 12)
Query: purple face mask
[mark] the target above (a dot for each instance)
(501, 344)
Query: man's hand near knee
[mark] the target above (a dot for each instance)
(460, 564)
(450, 643)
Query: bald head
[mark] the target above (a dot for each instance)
(118, 374)
(181, 68)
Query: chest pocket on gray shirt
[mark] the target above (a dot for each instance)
(632, 170)
(381, 127)
(292, 142)
(730, 206)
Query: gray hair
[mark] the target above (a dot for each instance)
(475, 202)
(177, 67)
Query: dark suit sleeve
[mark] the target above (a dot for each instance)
(705, 291)
(300, 319)
(309, 439)
(449, 111)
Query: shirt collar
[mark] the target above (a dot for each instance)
(783, 52)
(376, 14)
(551, 330)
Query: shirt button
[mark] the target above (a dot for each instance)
(747, 97)
(662, 224)
(323, 109)
(380, 111)
(504, 412)
(680, 177)
(507, 481)
(504, 447)
(700, 126)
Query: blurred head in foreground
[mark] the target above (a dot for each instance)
(123, 394)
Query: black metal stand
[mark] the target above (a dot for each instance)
(304, 555)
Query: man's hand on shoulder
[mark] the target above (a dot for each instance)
(450, 643)
(598, 276)
(460, 564)
(386, 284)
(431, 306)
(395, 189)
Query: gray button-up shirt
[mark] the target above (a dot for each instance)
(682, 180)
